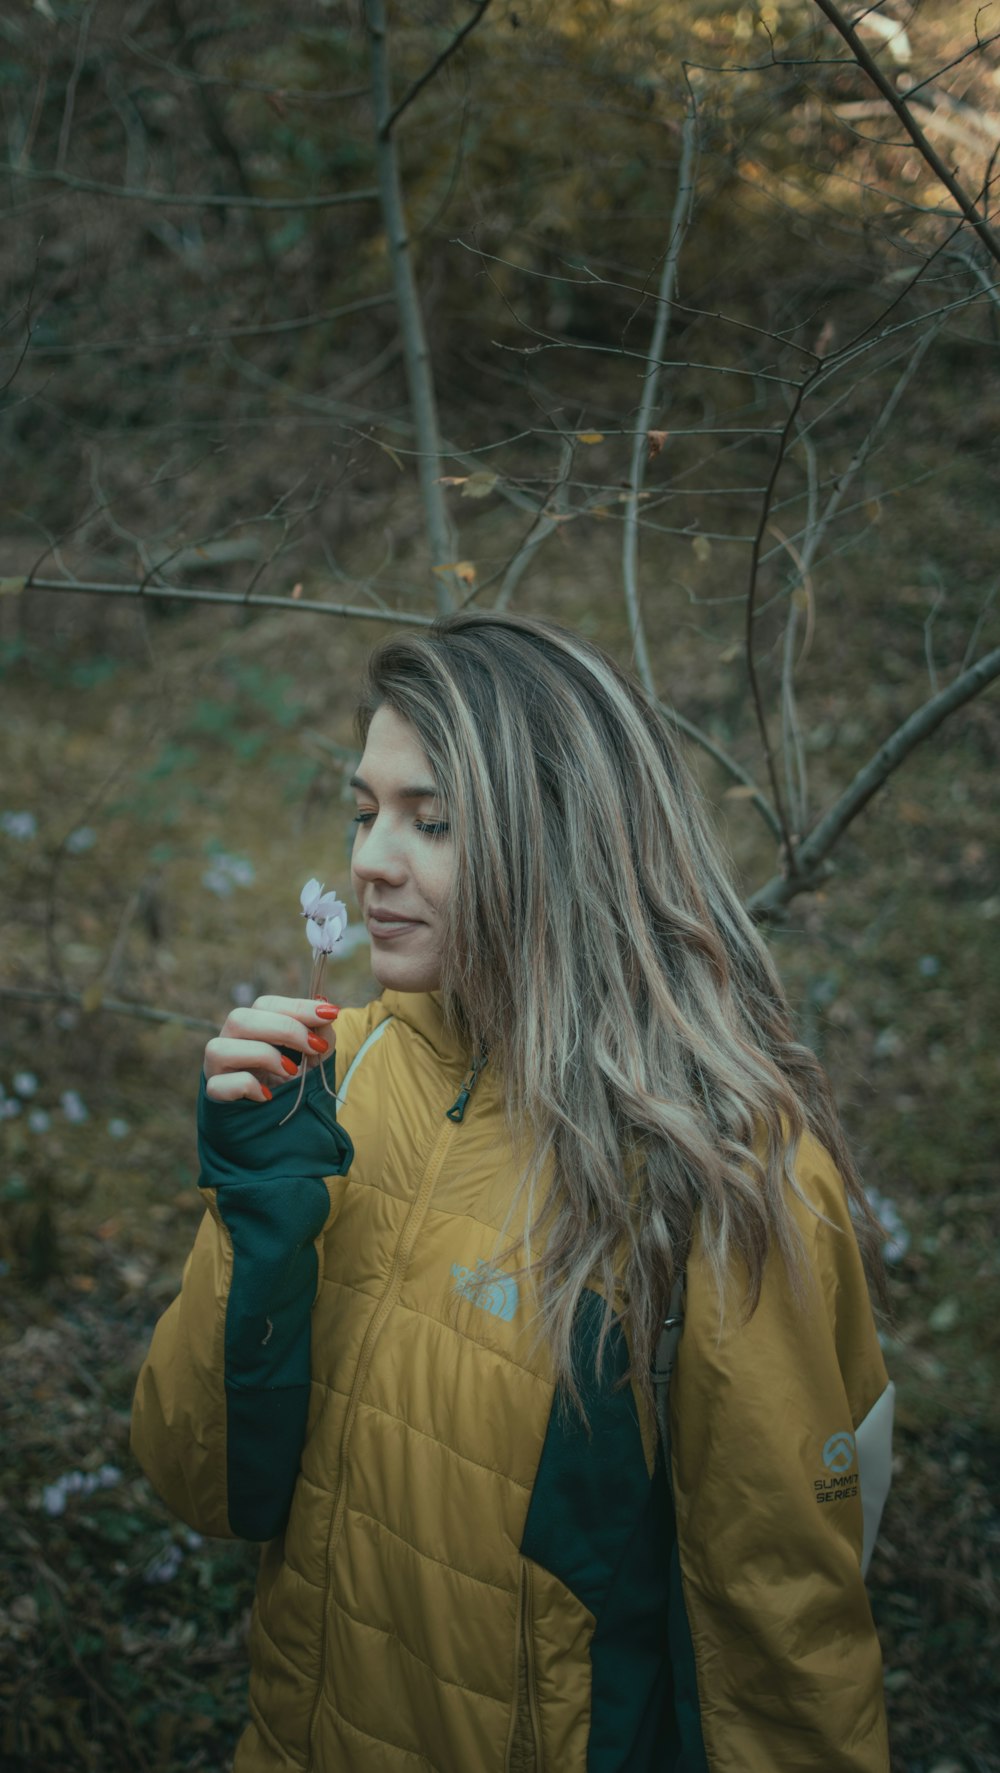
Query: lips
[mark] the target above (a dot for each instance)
(390, 924)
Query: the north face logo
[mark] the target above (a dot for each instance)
(838, 1454)
(488, 1288)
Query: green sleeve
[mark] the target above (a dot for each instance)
(222, 1399)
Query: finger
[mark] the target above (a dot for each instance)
(235, 1086)
(305, 1009)
(222, 1055)
(280, 1028)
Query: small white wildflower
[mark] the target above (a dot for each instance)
(165, 1565)
(326, 918)
(25, 1083)
(244, 994)
(74, 1107)
(54, 1499)
(81, 840)
(897, 1236)
(39, 1120)
(326, 922)
(225, 871)
(22, 826)
(118, 1128)
(217, 881)
(10, 1107)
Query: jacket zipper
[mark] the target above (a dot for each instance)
(400, 1263)
(456, 1112)
(525, 1657)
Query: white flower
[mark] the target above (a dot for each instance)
(81, 840)
(118, 1128)
(225, 871)
(25, 1083)
(39, 1120)
(73, 1107)
(23, 826)
(326, 918)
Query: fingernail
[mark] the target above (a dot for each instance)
(327, 1012)
(319, 1046)
(266, 1092)
(288, 1065)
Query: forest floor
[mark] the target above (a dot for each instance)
(176, 780)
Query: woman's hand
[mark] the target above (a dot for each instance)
(243, 1059)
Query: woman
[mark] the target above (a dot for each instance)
(414, 1344)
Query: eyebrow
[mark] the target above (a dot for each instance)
(416, 792)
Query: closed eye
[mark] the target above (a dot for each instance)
(429, 827)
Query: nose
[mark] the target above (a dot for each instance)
(378, 854)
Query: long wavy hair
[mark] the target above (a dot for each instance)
(599, 954)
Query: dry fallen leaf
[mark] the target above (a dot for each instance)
(479, 485)
(590, 437)
(464, 570)
(656, 440)
(701, 548)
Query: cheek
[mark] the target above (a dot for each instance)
(439, 876)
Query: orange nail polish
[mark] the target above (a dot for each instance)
(288, 1065)
(319, 1046)
(327, 1012)
(266, 1092)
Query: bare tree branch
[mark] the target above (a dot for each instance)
(728, 763)
(640, 442)
(71, 85)
(418, 85)
(287, 94)
(189, 200)
(188, 594)
(112, 1006)
(867, 62)
(416, 350)
(187, 341)
(771, 899)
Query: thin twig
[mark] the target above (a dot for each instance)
(186, 594)
(186, 341)
(550, 515)
(756, 797)
(189, 200)
(640, 443)
(386, 128)
(787, 843)
(112, 1006)
(71, 85)
(771, 899)
(870, 66)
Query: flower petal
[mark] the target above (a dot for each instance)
(309, 894)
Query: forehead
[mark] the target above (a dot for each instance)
(394, 756)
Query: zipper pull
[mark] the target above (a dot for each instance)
(456, 1112)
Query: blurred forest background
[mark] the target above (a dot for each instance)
(678, 322)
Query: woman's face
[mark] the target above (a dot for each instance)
(404, 861)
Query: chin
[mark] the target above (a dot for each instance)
(401, 972)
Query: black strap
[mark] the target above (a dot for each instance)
(663, 1366)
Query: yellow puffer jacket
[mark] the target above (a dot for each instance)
(457, 1576)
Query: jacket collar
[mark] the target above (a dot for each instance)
(424, 1012)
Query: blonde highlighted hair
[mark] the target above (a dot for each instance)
(599, 954)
